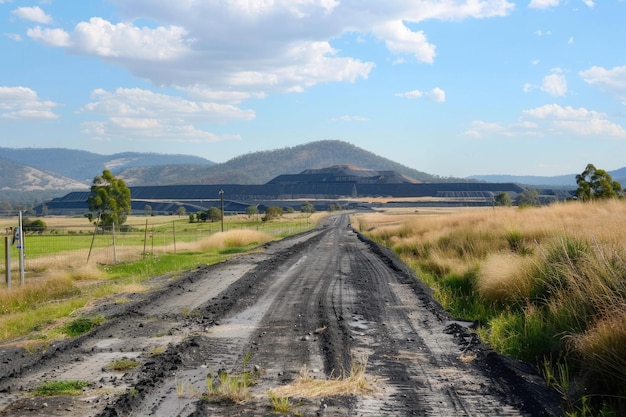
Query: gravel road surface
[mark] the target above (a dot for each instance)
(315, 303)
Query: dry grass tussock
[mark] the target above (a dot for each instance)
(233, 239)
(505, 277)
(37, 292)
(355, 383)
(542, 280)
(601, 347)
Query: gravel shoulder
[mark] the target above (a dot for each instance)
(316, 302)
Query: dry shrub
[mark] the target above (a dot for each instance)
(233, 239)
(504, 277)
(601, 350)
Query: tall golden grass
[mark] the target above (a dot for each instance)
(541, 280)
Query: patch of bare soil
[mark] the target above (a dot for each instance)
(310, 305)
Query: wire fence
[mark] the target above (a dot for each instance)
(70, 246)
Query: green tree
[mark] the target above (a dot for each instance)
(214, 214)
(502, 199)
(307, 208)
(148, 210)
(596, 183)
(37, 225)
(110, 199)
(251, 211)
(527, 198)
(272, 212)
(181, 211)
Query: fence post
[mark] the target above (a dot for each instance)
(145, 238)
(93, 238)
(7, 245)
(174, 233)
(114, 247)
(22, 245)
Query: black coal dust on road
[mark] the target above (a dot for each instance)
(313, 305)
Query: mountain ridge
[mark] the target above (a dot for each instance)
(32, 174)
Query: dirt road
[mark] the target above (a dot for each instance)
(317, 302)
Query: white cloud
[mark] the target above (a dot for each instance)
(51, 37)
(589, 3)
(540, 32)
(570, 41)
(400, 39)
(580, 121)
(411, 94)
(258, 47)
(34, 14)
(22, 103)
(436, 94)
(555, 85)
(124, 41)
(14, 36)
(610, 81)
(543, 4)
(143, 115)
(528, 87)
(551, 120)
(350, 118)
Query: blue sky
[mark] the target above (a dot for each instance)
(448, 87)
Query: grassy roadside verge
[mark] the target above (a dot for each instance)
(547, 285)
(34, 314)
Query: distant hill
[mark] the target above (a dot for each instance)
(83, 166)
(555, 181)
(261, 167)
(19, 177)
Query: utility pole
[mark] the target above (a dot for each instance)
(222, 203)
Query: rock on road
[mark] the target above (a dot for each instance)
(317, 301)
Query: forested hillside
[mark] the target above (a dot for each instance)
(260, 167)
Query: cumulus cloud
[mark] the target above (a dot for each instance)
(436, 94)
(124, 41)
(51, 37)
(411, 94)
(610, 81)
(552, 120)
(22, 103)
(543, 4)
(261, 46)
(34, 14)
(554, 84)
(141, 114)
(580, 121)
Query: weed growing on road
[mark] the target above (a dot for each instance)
(280, 405)
(53, 388)
(122, 365)
(355, 383)
(82, 325)
(229, 387)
